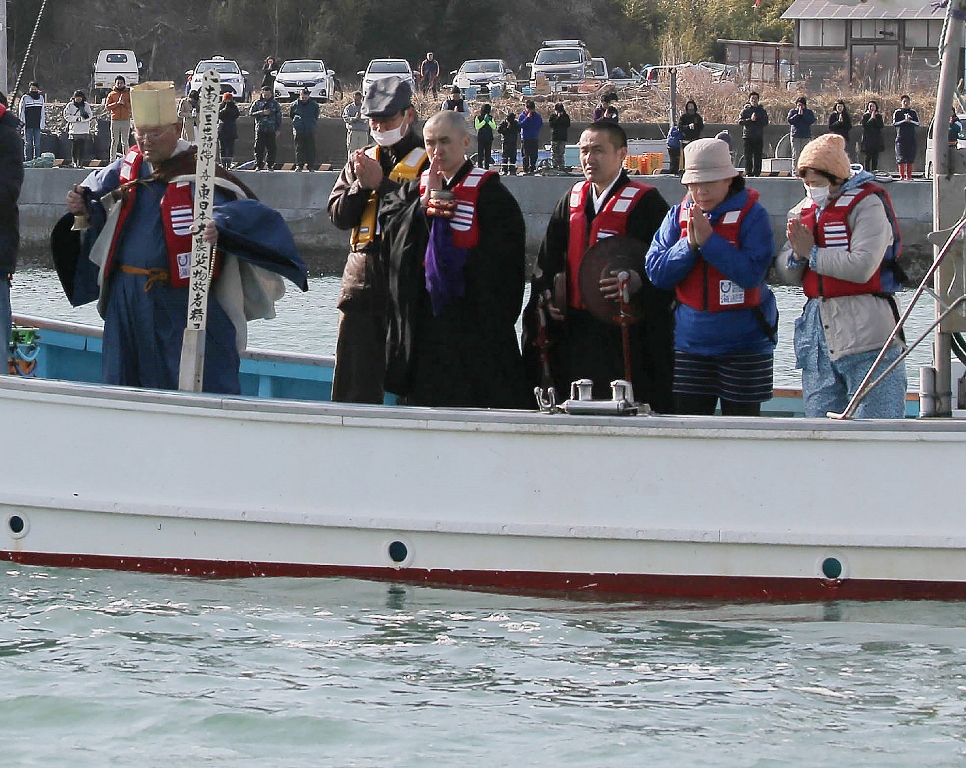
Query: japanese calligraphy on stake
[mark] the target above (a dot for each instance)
(191, 374)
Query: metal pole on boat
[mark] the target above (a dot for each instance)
(948, 75)
(191, 373)
(3, 46)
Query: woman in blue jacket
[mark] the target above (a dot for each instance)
(714, 250)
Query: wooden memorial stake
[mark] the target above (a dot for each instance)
(191, 374)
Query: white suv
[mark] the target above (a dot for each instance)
(297, 74)
(379, 69)
(233, 77)
(484, 72)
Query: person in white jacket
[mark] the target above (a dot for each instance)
(79, 117)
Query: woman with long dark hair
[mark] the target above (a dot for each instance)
(873, 142)
(78, 116)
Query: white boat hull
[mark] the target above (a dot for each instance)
(666, 506)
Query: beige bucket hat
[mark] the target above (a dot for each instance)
(707, 160)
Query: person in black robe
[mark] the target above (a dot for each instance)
(583, 346)
(452, 340)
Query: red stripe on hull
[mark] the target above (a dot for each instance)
(758, 588)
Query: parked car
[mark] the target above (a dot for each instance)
(294, 75)
(931, 143)
(616, 76)
(111, 63)
(233, 77)
(381, 68)
(484, 72)
(562, 62)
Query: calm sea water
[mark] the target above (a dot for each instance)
(308, 322)
(119, 669)
(103, 669)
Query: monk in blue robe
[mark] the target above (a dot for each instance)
(134, 258)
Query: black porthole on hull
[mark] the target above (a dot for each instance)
(831, 568)
(398, 552)
(17, 524)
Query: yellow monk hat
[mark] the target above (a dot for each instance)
(154, 103)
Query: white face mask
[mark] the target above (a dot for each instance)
(388, 138)
(818, 195)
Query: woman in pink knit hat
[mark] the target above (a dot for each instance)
(843, 240)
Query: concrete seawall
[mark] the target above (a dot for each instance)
(301, 198)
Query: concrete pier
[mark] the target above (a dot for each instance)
(301, 198)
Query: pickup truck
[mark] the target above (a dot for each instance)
(111, 63)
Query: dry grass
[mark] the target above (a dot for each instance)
(718, 103)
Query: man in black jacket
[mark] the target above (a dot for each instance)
(369, 176)
(753, 119)
(560, 125)
(11, 178)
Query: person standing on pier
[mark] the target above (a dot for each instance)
(33, 107)
(134, 256)
(606, 203)
(456, 247)
(356, 126)
(873, 143)
(801, 119)
(530, 123)
(118, 104)
(228, 115)
(305, 116)
(367, 178)
(268, 126)
(78, 116)
(510, 131)
(906, 120)
(11, 179)
(753, 120)
(560, 127)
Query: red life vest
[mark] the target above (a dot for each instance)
(177, 217)
(465, 224)
(610, 222)
(831, 228)
(706, 288)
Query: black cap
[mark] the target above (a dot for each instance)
(387, 97)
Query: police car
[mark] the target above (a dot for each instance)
(293, 76)
(233, 77)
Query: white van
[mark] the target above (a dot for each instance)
(110, 64)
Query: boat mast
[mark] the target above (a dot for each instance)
(3, 46)
(948, 73)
